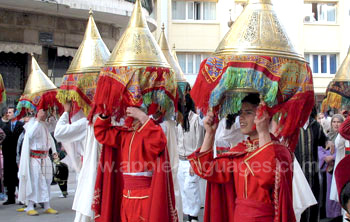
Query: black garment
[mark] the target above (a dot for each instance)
(9, 151)
(61, 176)
(306, 153)
(2, 123)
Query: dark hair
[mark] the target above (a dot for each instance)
(345, 196)
(3, 111)
(252, 98)
(189, 106)
(313, 113)
(12, 107)
(230, 119)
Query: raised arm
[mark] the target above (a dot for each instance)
(66, 132)
(105, 133)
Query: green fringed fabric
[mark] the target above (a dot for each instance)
(234, 78)
(345, 101)
(24, 105)
(160, 98)
(3, 97)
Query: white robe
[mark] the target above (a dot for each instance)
(72, 137)
(340, 144)
(187, 143)
(86, 182)
(169, 128)
(35, 175)
(81, 135)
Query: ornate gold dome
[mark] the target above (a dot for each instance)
(343, 73)
(257, 31)
(37, 80)
(92, 53)
(137, 46)
(163, 43)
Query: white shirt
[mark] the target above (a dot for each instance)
(188, 142)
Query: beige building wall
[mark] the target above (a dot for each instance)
(317, 38)
(322, 38)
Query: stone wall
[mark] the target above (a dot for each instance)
(24, 27)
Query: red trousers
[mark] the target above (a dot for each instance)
(136, 201)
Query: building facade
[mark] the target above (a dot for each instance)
(318, 29)
(52, 30)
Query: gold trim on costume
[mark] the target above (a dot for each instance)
(143, 125)
(254, 154)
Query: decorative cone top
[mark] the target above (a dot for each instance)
(137, 46)
(257, 31)
(37, 80)
(92, 53)
(173, 52)
(163, 43)
(343, 73)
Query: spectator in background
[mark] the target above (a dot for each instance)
(310, 138)
(4, 120)
(13, 130)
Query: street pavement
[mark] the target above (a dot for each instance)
(62, 205)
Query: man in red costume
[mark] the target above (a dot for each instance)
(252, 182)
(134, 181)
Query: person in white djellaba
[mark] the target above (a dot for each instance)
(35, 167)
(81, 134)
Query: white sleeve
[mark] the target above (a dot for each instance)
(199, 133)
(65, 132)
(33, 129)
(339, 142)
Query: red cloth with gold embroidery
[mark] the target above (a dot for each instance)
(143, 150)
(249, 186)
(344, 129)
(284, 84)
(153, 89)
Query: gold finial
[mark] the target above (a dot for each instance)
(163, 43)
(137, 46)
(230, 22)
(173, 52)
(163, 27)
(91, 12)
(257, 31)
(37, 80)
(260, 2)
(92, 53)
(343, 73)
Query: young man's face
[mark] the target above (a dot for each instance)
(246, 119)
(10, 114)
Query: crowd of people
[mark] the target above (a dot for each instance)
(206, 150)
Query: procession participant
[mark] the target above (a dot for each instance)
(258, 170)
(78, 89)
(73, 135)
(342, 178)
(141, 182)
(190, 135)
(35, 166)
(137, 76)
(169, 126)
(35, 169)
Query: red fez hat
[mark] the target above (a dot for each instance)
(342, 173)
